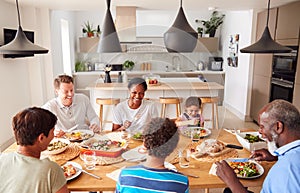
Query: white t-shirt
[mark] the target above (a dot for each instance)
(80, 110)
(139, 117)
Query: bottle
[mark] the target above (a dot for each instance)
(120, 77)
(125, 78)
(107, 77)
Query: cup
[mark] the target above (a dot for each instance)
(184, 158)
(89, 159)
(195, 134)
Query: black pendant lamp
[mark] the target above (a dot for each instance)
(21, 45)
(181, 37)
(266, 44)
(109, 40)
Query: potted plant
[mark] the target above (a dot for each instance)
(212, 24)
(128, 65)
(88, 28)
(79, 66)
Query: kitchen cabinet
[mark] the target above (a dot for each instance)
(206, 44)
(262, 69)
(88, 44)
(288, 21)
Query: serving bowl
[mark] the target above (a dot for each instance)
(246, 144)
(57, 146)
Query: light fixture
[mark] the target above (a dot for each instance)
(20, 44)
(180, 37)
(109, 40)
(266, 44)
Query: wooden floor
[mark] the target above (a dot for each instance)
(227, 120)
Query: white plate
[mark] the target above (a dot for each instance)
(187, 131)
(82, 131)
(57, 151)
(134, 155)
(259, 167)
(78, 172)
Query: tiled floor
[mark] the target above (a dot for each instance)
(227, 120)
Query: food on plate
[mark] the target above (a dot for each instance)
(252, 138)
(138, 136)
(245, 169)
(106, 145)
(213, 146)
(56, 145)
(201, 132)
(78, 135)
(69, 170)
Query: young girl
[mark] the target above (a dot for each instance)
(192, 115)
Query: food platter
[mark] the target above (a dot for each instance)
(57, 146)
(75, 166)
(137, 136)
(203, 132)
(245, 169)
(79, 135)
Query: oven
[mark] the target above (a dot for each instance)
(281, 89)
(283, 75)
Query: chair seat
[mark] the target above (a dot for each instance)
(170, 100)
(105, 101)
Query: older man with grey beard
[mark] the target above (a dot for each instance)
(279, 123)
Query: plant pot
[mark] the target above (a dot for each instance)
(212, 33)
(90, 34)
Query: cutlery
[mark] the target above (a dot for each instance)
(190, 175)
(136, 159)
(234, 146)
(88, 173)
(72, 128)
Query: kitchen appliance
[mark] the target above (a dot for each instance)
(215, 63)
(283, 75)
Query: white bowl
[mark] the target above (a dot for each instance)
(246, 144)
(60, 150)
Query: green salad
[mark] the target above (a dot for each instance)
(253, 138)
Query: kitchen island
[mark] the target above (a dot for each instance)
(163, 89)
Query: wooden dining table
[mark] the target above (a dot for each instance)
(205, 180)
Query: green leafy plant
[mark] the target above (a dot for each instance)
(79, 66)
(212, 24)
(89, 29)
(128, 65)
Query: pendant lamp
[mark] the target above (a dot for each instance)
(181, 37)
(266, 44)
(109, 40)
(20, 44)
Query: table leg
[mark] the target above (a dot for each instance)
(206, 190)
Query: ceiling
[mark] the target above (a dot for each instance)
(221, 5)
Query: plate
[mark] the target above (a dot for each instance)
(245, 160)
(79, 135)
(134, 155)
(78, 172)
(57, 150)
(187, 131)
(137, 136)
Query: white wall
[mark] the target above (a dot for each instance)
(21, 79)
(238, 80)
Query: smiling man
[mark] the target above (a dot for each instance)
(71, 109)
(279, 123)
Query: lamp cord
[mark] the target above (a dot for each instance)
(18, 13)
(268, 12)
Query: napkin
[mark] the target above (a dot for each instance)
(114, 175)
(213, 169)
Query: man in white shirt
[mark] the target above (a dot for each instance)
(71, 109)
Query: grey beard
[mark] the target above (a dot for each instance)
(272, 147)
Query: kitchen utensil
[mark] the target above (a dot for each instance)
(233, 146)
(190, 175)
(72, 128)
(88, 173)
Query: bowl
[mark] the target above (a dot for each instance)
(246, 144)
(58, 148)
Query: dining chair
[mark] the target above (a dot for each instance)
(213, 101)
(168, 101)
(105, 101)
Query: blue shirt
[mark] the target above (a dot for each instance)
(284, 176)
(148, 180)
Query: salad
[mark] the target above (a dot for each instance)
(138, 136)
(244, 169)
(252, 138)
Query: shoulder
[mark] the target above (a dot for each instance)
(81, 96)
(52, 103)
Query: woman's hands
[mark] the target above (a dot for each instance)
(95, 128)
(263, 155)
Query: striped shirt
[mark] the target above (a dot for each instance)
(149, 180)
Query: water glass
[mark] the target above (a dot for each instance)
(184, 158)
(89, 159)
(195, 134)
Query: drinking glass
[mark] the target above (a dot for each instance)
(184, 156)
(89, 159)
(195, 134)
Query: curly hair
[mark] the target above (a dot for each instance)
(30, 123)
(193, 101)
(137, 81)
(285, 112)
(160, 137)
(62, 79)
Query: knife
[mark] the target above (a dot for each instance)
(234, 146)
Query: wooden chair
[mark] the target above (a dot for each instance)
(213, 101)
(105, 101)
(167, 101)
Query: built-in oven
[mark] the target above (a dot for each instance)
(281, 89)
(283, 75)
